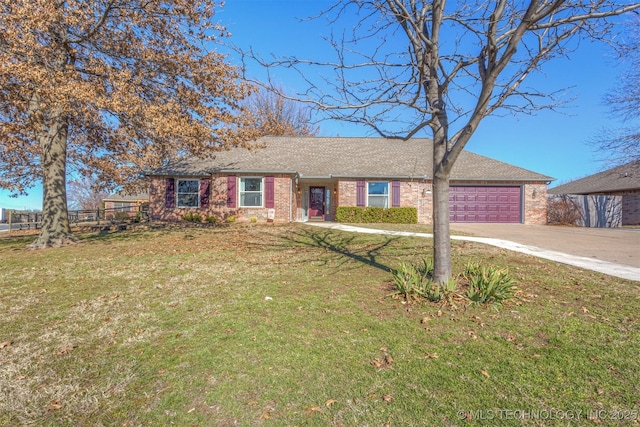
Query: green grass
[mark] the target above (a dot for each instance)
(294, 325)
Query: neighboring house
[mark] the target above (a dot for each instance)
(129, 204)
(307, 178)
(606, 199)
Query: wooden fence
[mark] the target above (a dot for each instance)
(21, 220)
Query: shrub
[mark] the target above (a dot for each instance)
(406, 280)
(413, 281)
(563, 210)
(211, 219)
(121, 216)
(230, 219)
(253, 219)
(192, 217)
(488, 284)
(396, 215)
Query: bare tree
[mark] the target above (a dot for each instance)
(276, 115)
(111, 87)
(622, 143)
(409, 67)
(84, 193)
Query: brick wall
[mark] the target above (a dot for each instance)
(420, 194)
(631, 208)
(535, 203)
(283, 196)
(412, 194)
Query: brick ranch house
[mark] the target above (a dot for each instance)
(610, 198)
(307, 178)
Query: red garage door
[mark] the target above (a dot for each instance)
(484, 204)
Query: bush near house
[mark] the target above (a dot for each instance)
(563, 210)
(192, 217)
(354, 214)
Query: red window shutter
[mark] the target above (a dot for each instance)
(395, 193)
(231, 191)
(205, 183)
(269, 192)
(170, 193)
(360, 194)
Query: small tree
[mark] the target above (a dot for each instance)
(409, 66)
(85, 194)
(622, 143)
(111, 87)
(276, 115)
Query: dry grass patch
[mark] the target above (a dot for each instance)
(289, 325)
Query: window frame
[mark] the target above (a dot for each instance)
(123, 206)
(178, 193)
(242, 192)
(386, 195)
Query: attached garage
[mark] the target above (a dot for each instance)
(498, 204)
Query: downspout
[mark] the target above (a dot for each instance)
(419, 208)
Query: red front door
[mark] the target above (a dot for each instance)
(316, 201)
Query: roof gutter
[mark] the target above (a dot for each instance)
(381, 176)
(258, 171)
(544, 179)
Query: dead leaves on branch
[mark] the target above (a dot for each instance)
(135, 86)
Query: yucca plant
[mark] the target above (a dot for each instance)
(406, 280)
(488, 284)
(416, 280)
(425, 268)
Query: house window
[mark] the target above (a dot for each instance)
(250, 192)
(378, 194)
(123, 206)
(188, 193)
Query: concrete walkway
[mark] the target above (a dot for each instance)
(609, 268)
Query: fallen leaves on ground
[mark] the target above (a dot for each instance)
(330, 403)
(312, 410)
(384, 360)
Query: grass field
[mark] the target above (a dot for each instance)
(294, 325)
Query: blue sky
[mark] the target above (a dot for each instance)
(553, 143)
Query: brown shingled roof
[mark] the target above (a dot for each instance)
(621, 178)
(346, 157)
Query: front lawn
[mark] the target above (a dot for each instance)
(296, 325)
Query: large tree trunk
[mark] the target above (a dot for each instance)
(441, 231)
(55, 230)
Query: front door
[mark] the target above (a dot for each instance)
(316, 202)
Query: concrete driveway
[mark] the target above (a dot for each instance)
(617, 245)
(615, 252)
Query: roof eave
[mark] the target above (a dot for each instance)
(254, 171)
(494, 179)
(382, 176)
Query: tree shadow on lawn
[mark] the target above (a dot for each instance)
(339, 243)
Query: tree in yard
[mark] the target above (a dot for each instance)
(276, 115)
(622, 144)
(410, 67)
(109, 87)
(85, 194)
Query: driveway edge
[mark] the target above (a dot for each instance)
(605, 267)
